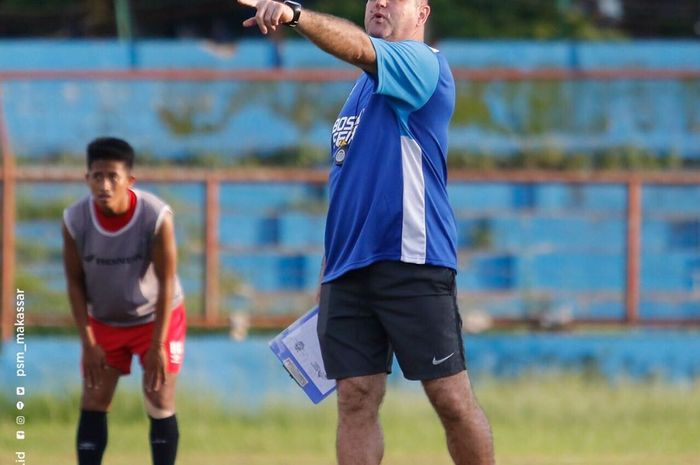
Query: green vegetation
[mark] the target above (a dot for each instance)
(44, 299)
(481, 237)
(536, 420)
(534, 114)
(29, 209)
(33, 252)
(552, 158)
(546, 19)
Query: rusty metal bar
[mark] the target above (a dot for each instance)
(212, 179)
(328, 75)
(576, 177)
(211, 252)
(250, 175)
(7, 287)
(634, 231)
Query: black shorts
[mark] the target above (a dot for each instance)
(371, 313)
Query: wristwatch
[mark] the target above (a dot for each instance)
(297, 12)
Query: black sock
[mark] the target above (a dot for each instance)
(164, 437)
(92, 437)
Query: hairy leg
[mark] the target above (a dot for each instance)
(467, 429)
(360, 440)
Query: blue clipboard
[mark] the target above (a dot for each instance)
(298, 349)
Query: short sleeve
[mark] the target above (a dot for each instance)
(407, 71)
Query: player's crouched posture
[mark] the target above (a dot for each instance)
(120, 260)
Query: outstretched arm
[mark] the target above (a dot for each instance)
(339, 37)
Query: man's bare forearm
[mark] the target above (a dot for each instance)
(163, 312)
(339, 37)
(164, 264)
(76, 297)
(75, 280)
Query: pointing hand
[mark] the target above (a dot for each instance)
(269, 14)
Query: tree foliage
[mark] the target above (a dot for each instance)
(523, 19)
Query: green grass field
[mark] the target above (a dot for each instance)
(557, 420)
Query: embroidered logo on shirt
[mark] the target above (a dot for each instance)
(344, 129)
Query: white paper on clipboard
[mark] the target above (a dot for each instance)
(298, 349)
(303, 344)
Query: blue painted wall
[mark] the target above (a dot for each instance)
(548, 247)
(544, 245)
(260, 54)
(247, 373)
(176, 118)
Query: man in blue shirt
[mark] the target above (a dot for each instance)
(388, 284)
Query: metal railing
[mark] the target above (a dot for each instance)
(211, 180)
(10, 175)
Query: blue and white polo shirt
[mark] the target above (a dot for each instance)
(387, 186)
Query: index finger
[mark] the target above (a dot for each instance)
(250, 3)
(149, 378)
(157, 380)
(97, 376)
(93, 376)
(89, 381)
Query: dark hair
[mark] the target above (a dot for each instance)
(110, 148)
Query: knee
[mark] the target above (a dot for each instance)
(453, 409)
(452, 406)
(356, 397)
(157, 407)
(95, 401)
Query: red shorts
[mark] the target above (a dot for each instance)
(121, 343)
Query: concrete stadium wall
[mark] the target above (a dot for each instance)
(521, 241)
(171, 119)
(246, 54)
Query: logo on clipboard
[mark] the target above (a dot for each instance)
(299, 350)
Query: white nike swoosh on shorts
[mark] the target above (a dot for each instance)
(438, 362)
